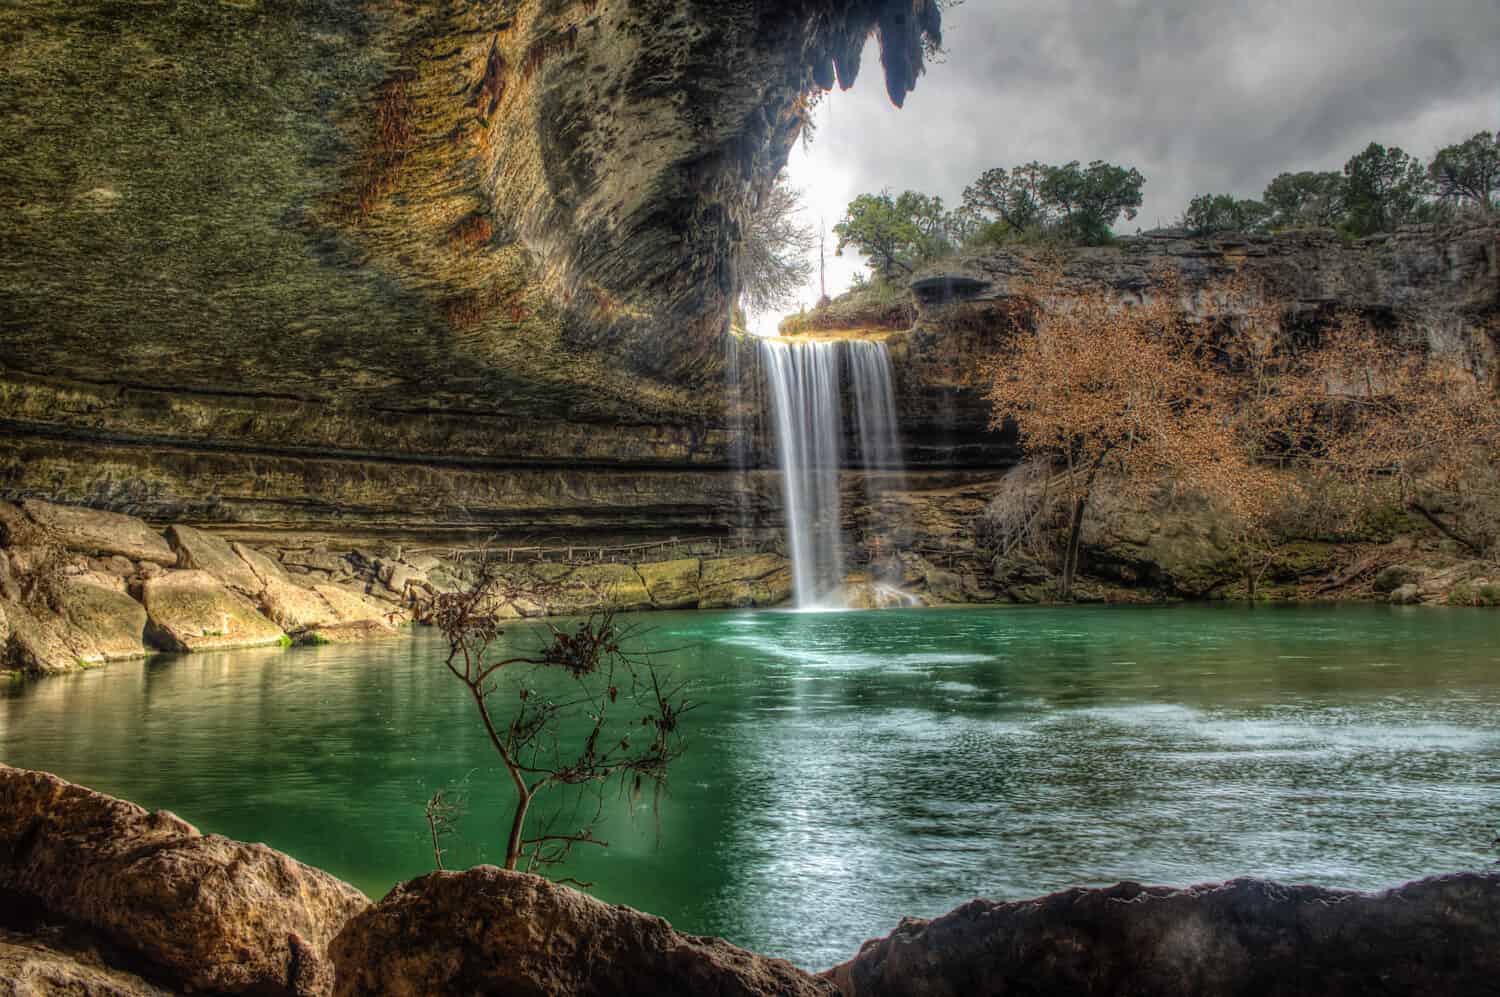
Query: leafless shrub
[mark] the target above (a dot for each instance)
(580, 712)
(1018, 519)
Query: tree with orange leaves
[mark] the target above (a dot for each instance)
(1135, 390)
(1380, 408)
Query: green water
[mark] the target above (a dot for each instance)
(848, 769)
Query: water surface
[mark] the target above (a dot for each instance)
(849, 769)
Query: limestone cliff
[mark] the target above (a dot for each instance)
(1443, 283)
(373, 264)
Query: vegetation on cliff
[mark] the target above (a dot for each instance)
(1247, 418)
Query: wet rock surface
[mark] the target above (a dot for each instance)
(98, 896)
(1244, 938)
(491, 931)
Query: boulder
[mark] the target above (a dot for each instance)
(93, 531)
(497, 932)
(202, 912)
(1022, 578)
(38, 641)
(99, 611)
(346, 633)
(398, 576)
(192, 611)
(745, 580)
(349, 606)
(1397, 576)
(317, 559)
(1244, 938)
(120, 567)
(292, 606)
(671, 584)
(1406, 595)
(31, 967)
(203, 551)
(1174, 543)
(425, 563)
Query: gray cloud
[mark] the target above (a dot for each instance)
(1200, 95)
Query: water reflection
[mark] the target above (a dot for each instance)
(849, 769)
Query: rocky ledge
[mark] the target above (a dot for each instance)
(80, 587)
(99, 896)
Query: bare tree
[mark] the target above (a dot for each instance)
(579, 712)
(1016, 519)
(774, 259)
(442, 811)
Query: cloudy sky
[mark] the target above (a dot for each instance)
(1199, 95)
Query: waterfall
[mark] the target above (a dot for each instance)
(808, 419)
(879, 441)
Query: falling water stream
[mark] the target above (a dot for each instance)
(807, 417)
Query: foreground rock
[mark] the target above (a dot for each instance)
(31, 967)
(492, 931)
(194, 911)
(1245, 938)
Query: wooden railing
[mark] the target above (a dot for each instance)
(672, 549)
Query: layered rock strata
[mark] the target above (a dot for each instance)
(71, 598)
(395, 268)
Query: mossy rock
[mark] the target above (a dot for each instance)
(1395, 577)
(1480, 593)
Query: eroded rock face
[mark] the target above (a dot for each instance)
(491, 931)
(414, 265)
(1244, 938)
(1443, 282)
(198, 912)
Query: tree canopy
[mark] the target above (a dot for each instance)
(895, 233)
(1469, 173)
(1210, 213)
(1382, 188)
(1076, 203)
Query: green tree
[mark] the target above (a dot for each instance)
(895, 233)
(931, 221)
(1011, 197)
(1382, 188)
(1208, 213)
(1469, 173)
(1306, 198)
(1090, 200)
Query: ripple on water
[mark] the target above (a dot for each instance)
(846, 770)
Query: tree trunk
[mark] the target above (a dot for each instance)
(1070, 557)
(517, 828)
(1444, 528)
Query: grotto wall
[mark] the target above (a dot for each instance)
(321, 264)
